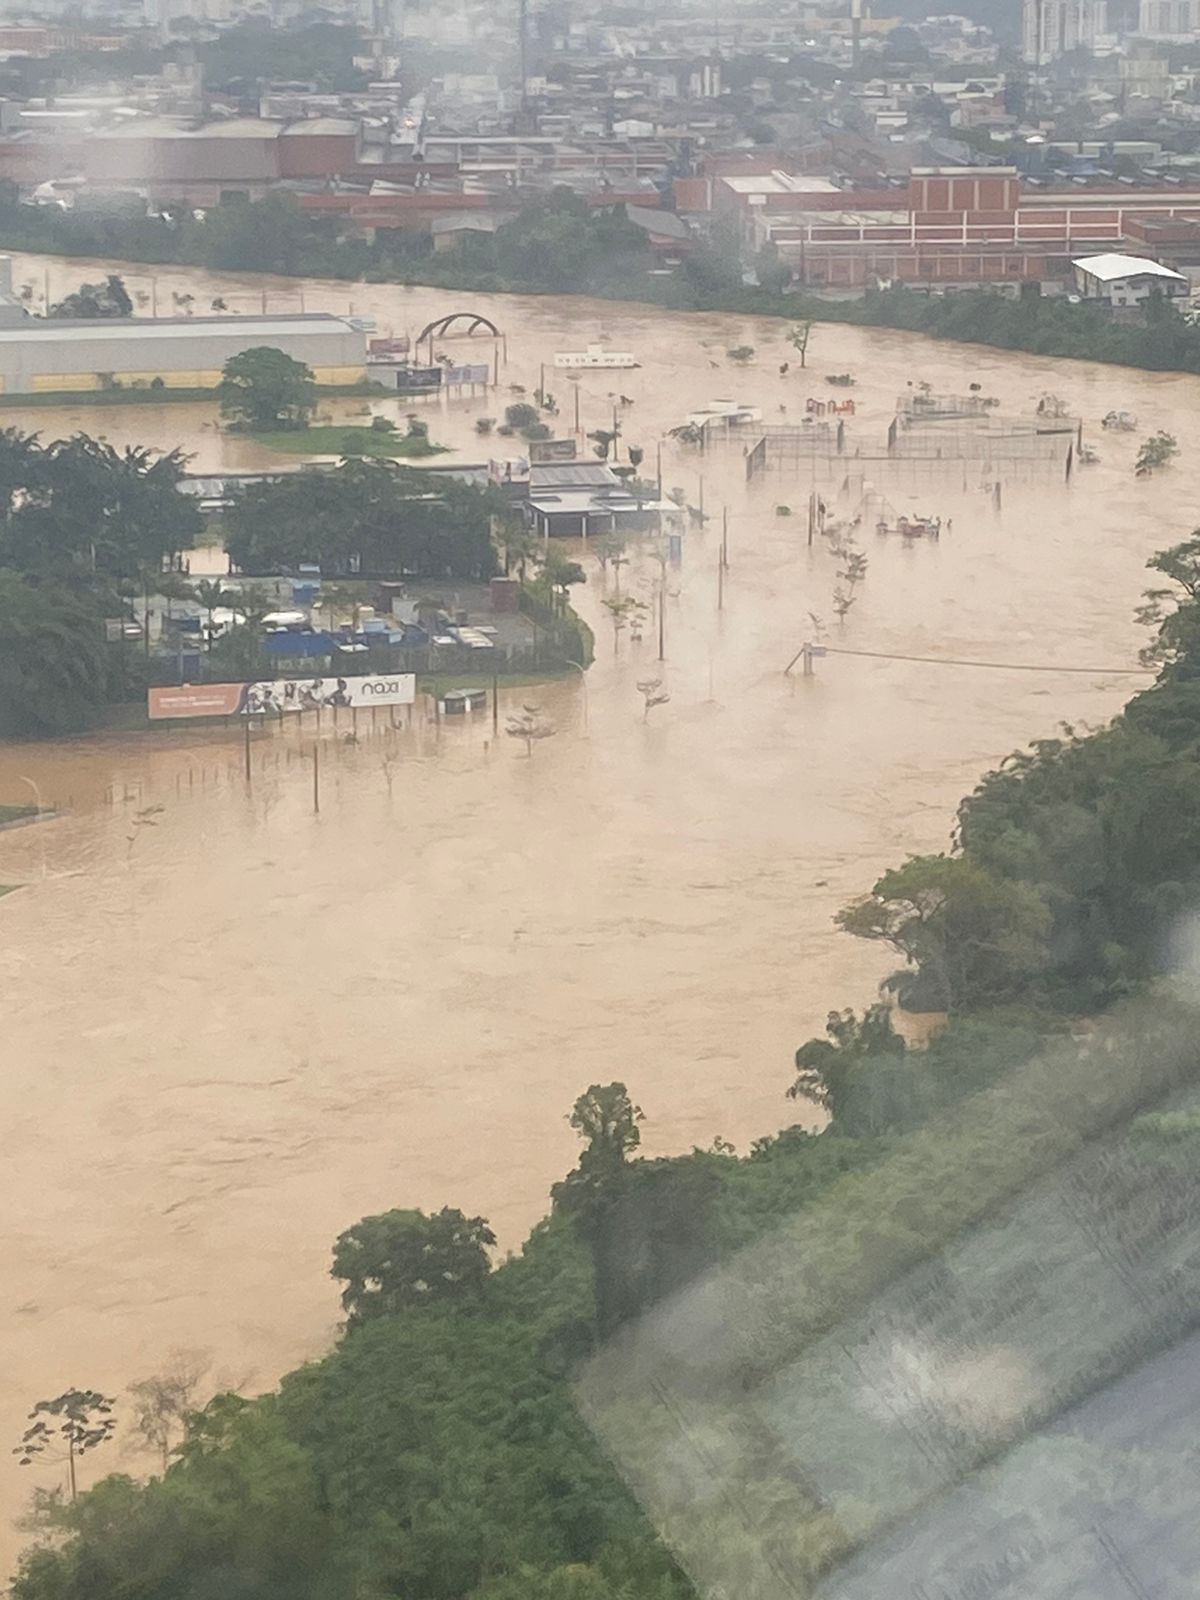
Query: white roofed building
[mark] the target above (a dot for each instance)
(76, 356)
(1126, 280)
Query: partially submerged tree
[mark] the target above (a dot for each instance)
(263, 390)
(107, 299)
(520, 416)
(1159, 450)
(560, 573)
(848, 579)
(653, 694)
(798, 338)
(530, 727)
(623, 609)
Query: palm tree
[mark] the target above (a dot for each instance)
(212, 594)
(559, 572)
(341, 597)
(241, 649)
(521, 546)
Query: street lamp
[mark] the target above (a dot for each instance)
(582, 671)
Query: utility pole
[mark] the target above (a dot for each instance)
(316, 778)
(662, 606)
(247, 729)
(522, 104)
(725, 536)
(660, 466)
(720, 585)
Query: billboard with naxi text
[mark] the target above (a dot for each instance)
(266, 697)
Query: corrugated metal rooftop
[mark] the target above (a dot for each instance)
(248, 328)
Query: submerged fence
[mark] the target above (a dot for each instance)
(976, 447)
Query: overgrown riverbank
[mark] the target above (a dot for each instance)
(436, 1451)
(558, 246)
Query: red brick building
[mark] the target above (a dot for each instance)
(951, 225)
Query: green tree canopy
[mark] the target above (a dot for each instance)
(263, 389)
(969, 938)
(53, 663)
(402, 1259)
(79, 506)
(364, 518)
(107, 299)
(1174, 611)
(607, 1119)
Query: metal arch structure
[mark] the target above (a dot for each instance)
(440, 327)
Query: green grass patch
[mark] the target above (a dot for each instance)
(16, 813)
(350, 441)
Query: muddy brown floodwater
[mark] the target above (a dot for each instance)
(232, 1027)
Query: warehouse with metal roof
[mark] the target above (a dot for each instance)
(76, 357)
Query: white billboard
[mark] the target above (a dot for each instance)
(266, 697)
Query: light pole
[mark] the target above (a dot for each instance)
(582, 671)
(37, 795)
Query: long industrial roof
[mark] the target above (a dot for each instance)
(248, 328)
(167, 128)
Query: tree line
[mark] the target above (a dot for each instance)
(1075, 866)
(366, 518)
(557, 243)
(87, 530)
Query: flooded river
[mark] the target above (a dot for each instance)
(233, 1026)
